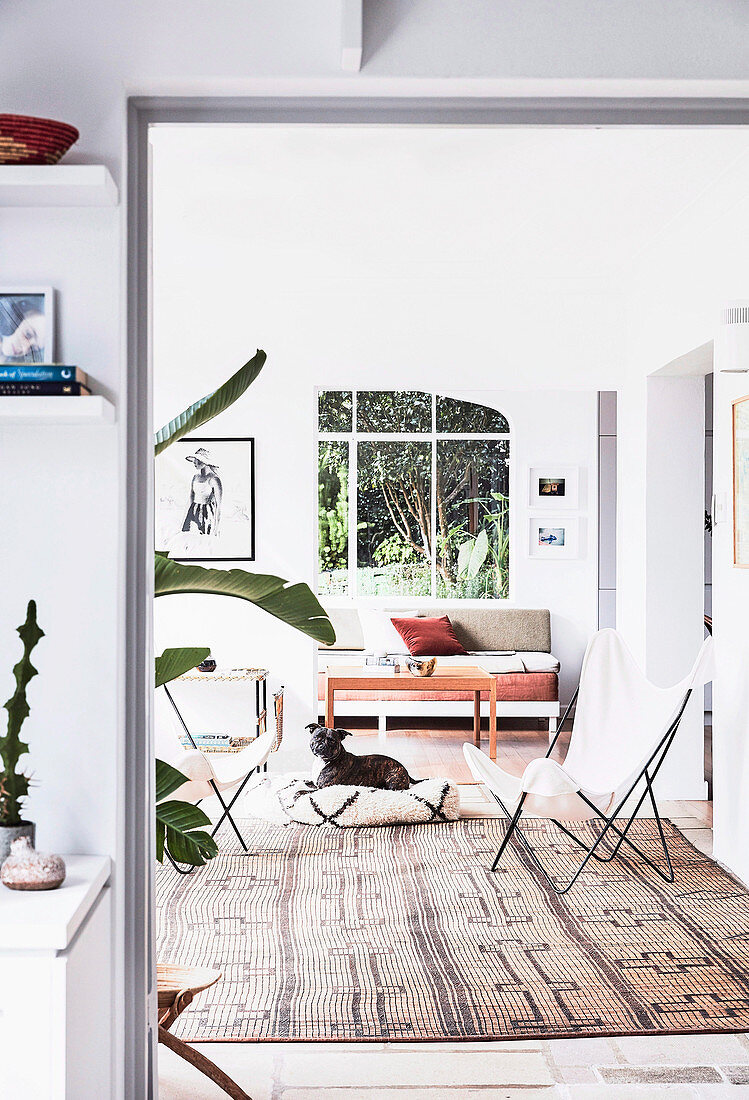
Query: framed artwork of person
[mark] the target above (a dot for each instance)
(27, 326)
(205, 499)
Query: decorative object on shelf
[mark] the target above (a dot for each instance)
(25, 139)
(14, 784)
(27, 869)
(555, 486)
(27, 327)
(554, 537)
(741, 482)
(208, 665)
(205, 500)
(419, 667)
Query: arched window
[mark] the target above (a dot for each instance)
(413, 496)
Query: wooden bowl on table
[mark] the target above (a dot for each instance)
(421, 666)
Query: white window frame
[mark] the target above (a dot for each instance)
(352, 438)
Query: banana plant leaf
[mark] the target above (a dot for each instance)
(293, 604)
(176, 662)
(179, 825)
(214, 403)
(472, 554)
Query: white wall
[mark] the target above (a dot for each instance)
(730, 618)
(675, 579)
(677, 286)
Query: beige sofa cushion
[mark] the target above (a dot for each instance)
(478, 628)
(348, 629)
(497, 628)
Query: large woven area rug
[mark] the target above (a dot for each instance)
(403, 933)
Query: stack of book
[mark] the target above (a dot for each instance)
(215, 742)
(383, 662)
(28, 380)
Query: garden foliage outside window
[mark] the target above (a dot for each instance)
(413, 496)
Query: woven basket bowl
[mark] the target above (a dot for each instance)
(28, 140)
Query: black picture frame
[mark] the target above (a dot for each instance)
(214, 442)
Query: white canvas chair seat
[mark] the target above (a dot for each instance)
(551, 792)
(623, 728)
(226, 769)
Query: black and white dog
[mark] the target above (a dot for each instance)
(343, 768)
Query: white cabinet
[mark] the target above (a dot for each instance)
(55, 988)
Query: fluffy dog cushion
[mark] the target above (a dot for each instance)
(343, 807)
(429, 637)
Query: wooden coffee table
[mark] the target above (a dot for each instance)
(465, 678)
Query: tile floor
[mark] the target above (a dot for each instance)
(694, 1067)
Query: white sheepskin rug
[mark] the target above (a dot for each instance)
(298, 799)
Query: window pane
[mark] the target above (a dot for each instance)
(465, 416)
(387, 411)
(472, 518)
(393, 547)
(332, 517)
(334, 411)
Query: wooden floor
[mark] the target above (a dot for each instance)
(433, 747)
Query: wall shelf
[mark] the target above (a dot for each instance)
(56, 185)
(16, 411)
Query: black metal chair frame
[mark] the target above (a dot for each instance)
(646, 775)
(226, 808)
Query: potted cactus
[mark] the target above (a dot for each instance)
(14, 783)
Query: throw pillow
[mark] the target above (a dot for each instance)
(380, 636)
(429, 637)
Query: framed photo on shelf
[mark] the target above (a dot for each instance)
(205, 500)
(27, 326)
(741, 483)
(555, 486)
(554, 537)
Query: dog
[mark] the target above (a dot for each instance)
(344, 769)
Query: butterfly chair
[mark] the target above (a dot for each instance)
(624, 726)
(219, 773)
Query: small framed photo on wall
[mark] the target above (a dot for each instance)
(27, 326)
(554, 537)
(555, 486)
(205, 500)
(741, 483)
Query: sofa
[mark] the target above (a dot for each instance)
(527, 672)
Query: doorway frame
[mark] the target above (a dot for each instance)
(136, 783)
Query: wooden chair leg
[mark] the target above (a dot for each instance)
(205, 1065)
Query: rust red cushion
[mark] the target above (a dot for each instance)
(429, 637)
